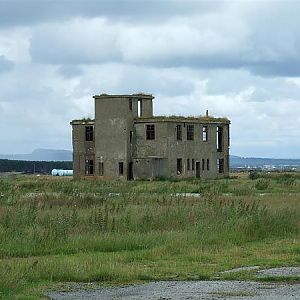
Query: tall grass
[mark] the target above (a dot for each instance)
(44, 219)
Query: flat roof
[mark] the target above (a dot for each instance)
(82, 122)
(182, 119)
(138, 95)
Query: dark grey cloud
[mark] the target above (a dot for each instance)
(28, 12)
(5, 65)
(238, 59)
(195, 41)
(285, 68)
(104, 45)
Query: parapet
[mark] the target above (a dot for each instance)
(112, 96)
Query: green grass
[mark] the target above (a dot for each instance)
(54, 230)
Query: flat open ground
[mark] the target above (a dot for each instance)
(55, 232)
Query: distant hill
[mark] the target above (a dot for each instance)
(41, 155)
(242, 162)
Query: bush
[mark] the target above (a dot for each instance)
(253, 175)
(262, 184)
(287, 179)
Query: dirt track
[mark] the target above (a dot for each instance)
(207, 290)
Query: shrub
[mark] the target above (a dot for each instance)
(262, 184)
(253, 175)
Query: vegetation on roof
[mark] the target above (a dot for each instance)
(83, 120)
(188, 118)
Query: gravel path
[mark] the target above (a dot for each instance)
(191, 290)
(280, 272)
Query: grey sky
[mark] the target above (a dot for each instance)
(236, 58)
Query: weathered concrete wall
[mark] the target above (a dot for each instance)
(167, 146)
(113, 124)
(144, 148)
(147, 107)
(150, 168)
(82, 149)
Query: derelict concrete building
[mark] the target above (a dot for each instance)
(126, 141)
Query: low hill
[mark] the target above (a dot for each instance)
(235, 161)
(41, 155)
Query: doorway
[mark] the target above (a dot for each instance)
(197, 169)
(130, 171)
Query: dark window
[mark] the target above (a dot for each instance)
(188, 164)
(130, 104)
(179, 166)
(150, 132)
(89, 167)
(220, 165)
(228, 135)
(190, 132)
(179, 132)
(219, 138)
(89, 133)
(204, 133)
(207, 164)
(121, 168)
(101, 169)
(130, 137)
(193, 164)
(203, 164)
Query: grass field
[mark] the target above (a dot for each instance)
(55, 230)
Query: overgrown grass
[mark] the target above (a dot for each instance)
(57, 230)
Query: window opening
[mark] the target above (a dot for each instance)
(89, 167)
(121, 168)
(193, 164)
(190, 132)
(228, 135)
(207, 164)
(178, 132)
(204, 133)
(150, 132)
(203, 164)
(179, 166)
(89, 133)
(220, 165)
(101, 169)
(130, 104)
(188, 164)
(139, 107)
(219, 138)
(130, 137)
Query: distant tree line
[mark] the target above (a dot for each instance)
(30, 167)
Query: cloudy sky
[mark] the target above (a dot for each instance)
(239, 59)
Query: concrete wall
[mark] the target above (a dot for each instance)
(113, 124)
(150, 168)
(146, 107)
(166, 146)
(82, 149)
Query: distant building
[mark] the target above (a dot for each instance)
(126, 141)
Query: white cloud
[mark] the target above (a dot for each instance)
(14, 44)
(236, 59)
